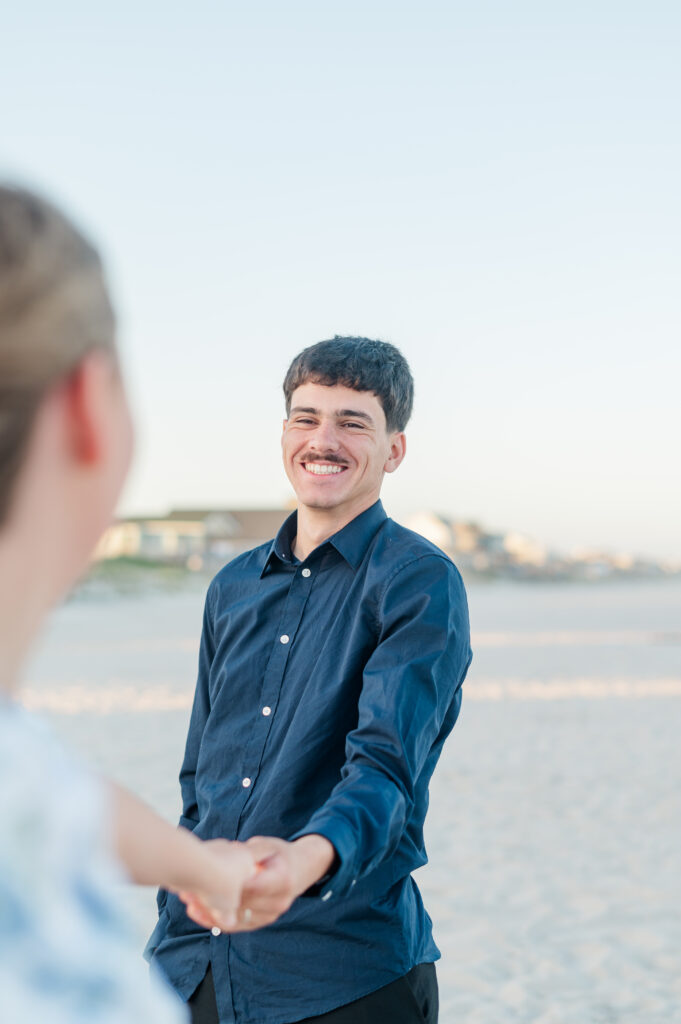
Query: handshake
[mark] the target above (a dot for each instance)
(243, 886)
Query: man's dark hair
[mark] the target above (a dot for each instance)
(360, 364)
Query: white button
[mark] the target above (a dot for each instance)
(354, 882)
(266, 711)
(246, 782)
(284, 639)
(306, 573)
(327, 896)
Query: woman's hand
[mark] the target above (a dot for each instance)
(228, 867)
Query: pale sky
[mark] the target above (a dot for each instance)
(493, 187)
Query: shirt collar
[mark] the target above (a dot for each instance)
(351, 542)
(281, 548)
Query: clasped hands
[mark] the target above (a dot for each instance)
(257, 881)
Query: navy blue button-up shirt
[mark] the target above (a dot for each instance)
(326, 690)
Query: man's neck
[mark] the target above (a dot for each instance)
(315, 525)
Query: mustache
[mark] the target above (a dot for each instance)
(331, 457)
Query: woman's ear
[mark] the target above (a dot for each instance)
(85, 394)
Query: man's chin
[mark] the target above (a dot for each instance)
(320, 498)
(319, 502)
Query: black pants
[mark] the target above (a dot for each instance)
(412, 999)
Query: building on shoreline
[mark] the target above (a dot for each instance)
(192, 537)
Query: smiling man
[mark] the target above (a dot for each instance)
(330, 676)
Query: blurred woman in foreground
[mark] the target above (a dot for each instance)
(65, 446)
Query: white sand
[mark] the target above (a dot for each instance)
(555, 844)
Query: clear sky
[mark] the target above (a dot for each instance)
(493, 187)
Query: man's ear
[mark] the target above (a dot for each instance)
(398, 449)
(84, 395)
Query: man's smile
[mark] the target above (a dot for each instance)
(323, 468)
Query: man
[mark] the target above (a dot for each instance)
(329, 677)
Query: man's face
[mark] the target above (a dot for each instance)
(336, 448)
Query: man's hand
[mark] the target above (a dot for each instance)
(225, 868)
(285, 870)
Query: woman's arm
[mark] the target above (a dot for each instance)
(156, 853)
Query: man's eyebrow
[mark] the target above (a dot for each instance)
(303, 408)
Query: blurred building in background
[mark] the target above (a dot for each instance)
(192, 537)
(481, 552)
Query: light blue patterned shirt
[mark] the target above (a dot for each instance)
(67, 953)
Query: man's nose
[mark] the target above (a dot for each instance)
(325, 437)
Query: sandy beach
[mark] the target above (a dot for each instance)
(554, 829)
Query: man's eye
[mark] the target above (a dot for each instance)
(359, 426)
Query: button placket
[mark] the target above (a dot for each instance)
(294, 608)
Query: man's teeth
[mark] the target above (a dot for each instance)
(319, 470)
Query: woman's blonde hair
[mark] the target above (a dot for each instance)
(54, 309)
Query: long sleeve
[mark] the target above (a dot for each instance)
(409, 703)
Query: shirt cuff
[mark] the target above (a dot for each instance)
(341, 879)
